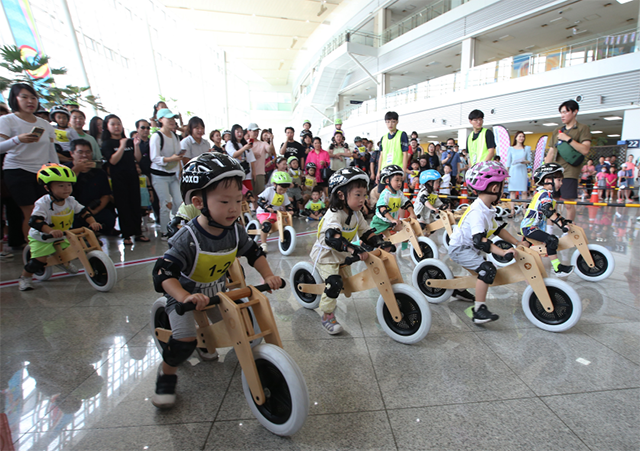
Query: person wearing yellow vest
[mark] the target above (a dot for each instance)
(200, 253)
(481, 144)
(394, 147)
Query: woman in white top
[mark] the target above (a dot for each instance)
(338, 152)
(194, 144)
(166, 155)
(26, 151)
(238, 148)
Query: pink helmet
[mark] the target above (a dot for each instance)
(484, 173)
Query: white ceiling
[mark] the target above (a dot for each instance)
(265, 35)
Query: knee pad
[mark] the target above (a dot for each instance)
(177, 351)
(552, 244)
(266, 227)
(333, 286)
(487, 272)
(33, 266)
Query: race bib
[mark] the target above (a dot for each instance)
(62, 221)
(394, 204)
(277, 200)
(309, 182)
(143, 181)
(210, 267)
(61, 136)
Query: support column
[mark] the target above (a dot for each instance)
(462, 137)
(468, 54)
(630, 127)
(383, 88)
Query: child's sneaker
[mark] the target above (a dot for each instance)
(24, 283)
(206, 356)
(164, 236)
(563, 270)
(464, 295)
(68, 267)
(263, 246)
(331, 324)
(483, 315)
(165, 395)
(5, 256)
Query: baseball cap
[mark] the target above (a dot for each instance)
(253, 126)
(165, 112)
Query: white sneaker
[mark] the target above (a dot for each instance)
(206, 356)
(68, 267)
(263, 246)
(5, 255)
(24, 283)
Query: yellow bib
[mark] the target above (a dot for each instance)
(432, 198)
(316, 206)
(62, 221)
(61, 136)
(143, 181)
(210, 266)
(394, 204)
(310, 182)
(348, 234)
(277, 200)
(490, 232)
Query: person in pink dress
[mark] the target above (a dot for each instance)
(321, 159)
(612, 178)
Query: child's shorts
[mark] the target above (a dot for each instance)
(380, 225)
(295, 193)
(42, 249)
(271, 217)
(467, 257)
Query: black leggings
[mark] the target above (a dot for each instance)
(551, 241)
(126, 192)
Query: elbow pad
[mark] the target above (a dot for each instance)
(340, 244)
(262, 203)
(499, 229)
(383, 209)
(37, 222)
(547, 209)
(163, 270)
(373, 240)
(484, 246)
(254, 253)
(407, 205)
(86, 214)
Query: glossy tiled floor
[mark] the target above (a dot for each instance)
(78, 367)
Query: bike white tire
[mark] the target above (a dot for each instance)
(564, 316)
(251, 225)
(46, 273)
(159, 318)
(283, 373)
(105, 275)
(496, 261)
(431, 265)
(292, 244)
(428, 242)
(303, 272)
(446, 239)
(601, 255)
(416, 321)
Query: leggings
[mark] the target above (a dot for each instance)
(126, 192)
(551, 241)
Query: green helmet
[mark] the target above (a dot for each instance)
(338, 122)
(291, 158)
(306, 121)
(281, 178)
(52, 172)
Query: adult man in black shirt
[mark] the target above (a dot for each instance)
(292, 148)
(92, 187)
(144, 131)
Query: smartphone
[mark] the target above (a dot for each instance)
(37, 131)
(93, 164)
(251, 140)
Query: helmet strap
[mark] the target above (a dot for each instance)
(53, 197)
(346, 205)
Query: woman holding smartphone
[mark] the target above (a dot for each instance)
(166, 154)
(121, 154)
(27, 141)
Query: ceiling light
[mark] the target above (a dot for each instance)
(613, 136)
(528, 133)
(431, 136)
(595, 132)
(549, 124)
(622, 2)
(612, 118)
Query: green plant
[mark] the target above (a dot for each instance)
(49, 93)
(174, 107)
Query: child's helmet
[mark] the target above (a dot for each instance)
(206, 169)
(311, 166)
(546, 170)
(389, 171)
(281, 178)
(226, 132)
(429, 175)
(356, 139)
(53, 172)
(279, 159)
(338, 122)
(482, 174)
(58, 109)
(291, 158)
(306, 121)
(345, 176)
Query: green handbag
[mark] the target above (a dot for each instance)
(570, 155)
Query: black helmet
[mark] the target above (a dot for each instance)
(356, 139)
(546, 170)
(389, 171)
(206, 169)
(311, 166)
(58, 109)
(344, 176)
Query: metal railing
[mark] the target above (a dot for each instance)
(497, 71)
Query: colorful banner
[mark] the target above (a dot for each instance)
(25, 34)
(503, 142)
(539, 155)
(520, 66)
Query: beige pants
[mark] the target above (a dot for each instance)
(327, 304)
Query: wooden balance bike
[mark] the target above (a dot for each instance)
(421, 246)
(272, 382)
(284, 227)
(245, 216)
(549, 303)
(83, 245)
(402, 311)
(591, 262)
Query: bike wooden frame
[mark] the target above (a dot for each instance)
(81, 241)
(446, 221)
(410, 231)
(381, 273)
(284, 219)
(574, 238)
(236, 328)
(528, 268)
(245, 209)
